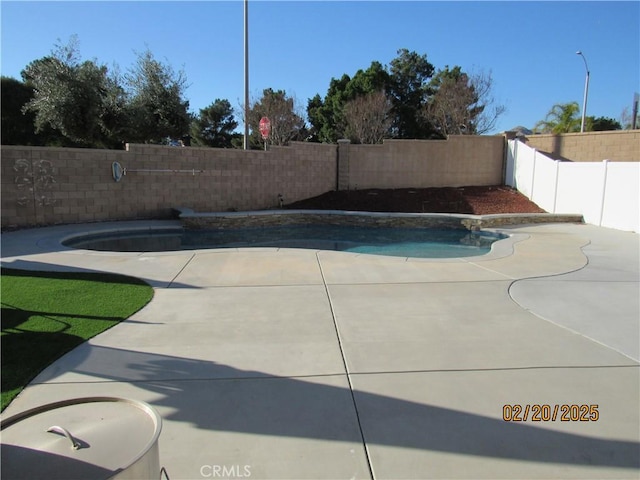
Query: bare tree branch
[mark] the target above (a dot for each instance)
(463, 104)
(368, 118)
(483, 85)
(286, 123)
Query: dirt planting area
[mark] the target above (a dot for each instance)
(470, 200)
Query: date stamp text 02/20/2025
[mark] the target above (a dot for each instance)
(550, 413)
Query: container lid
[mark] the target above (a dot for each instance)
(89, 438)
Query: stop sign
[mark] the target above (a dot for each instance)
(265, 127)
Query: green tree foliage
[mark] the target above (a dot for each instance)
(318, 120)
(157, 108)
(286, 123)
(327, 116)
(18, 124)
(409, 89)
(601, 124)
(117, 111)
(82, 103)
(406, 84)
(215, 125)
(71, 97)
(373, 79)
(562, 118)
(17, 127)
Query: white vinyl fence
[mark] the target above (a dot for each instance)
(606, 193)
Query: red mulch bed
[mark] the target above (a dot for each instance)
(471, 200)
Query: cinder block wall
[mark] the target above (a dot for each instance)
(458, 161)
(45, 186)
(616, 145)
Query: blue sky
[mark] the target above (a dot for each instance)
(298, 46)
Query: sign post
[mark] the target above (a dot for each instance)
(265, 130)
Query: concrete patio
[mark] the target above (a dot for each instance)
(301, 364)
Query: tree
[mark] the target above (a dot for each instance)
(72, 97)
(82, 103)
(326, 116)
(367, 118)
(286, 124)
(373, 79)
(404, 81)
(409, 91)
(486, 109)
(601, 124)
(157, 109)
(451, 109)
(117, 113)
(626, 118)
(318, 120)
(462, 104)
(215, 125)
(17, 127)
(562, 118)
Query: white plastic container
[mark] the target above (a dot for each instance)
(84, 438)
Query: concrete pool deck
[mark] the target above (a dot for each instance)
(281, 363)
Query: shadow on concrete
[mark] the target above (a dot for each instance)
(54, 270)
(79, 274)
(218, 397)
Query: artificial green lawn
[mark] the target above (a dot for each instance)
(46, 314)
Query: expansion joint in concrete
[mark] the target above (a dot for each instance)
(346, 369)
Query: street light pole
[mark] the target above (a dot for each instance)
(586, 91)
(246, 74)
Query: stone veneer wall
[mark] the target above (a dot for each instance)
(234, 220)
(615, 145)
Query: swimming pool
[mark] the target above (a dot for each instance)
(397, 242)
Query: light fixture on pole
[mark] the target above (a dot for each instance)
(246, 74)
(586, 91)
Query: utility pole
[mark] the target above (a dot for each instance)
(246, 74)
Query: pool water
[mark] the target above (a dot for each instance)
(397, 242)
